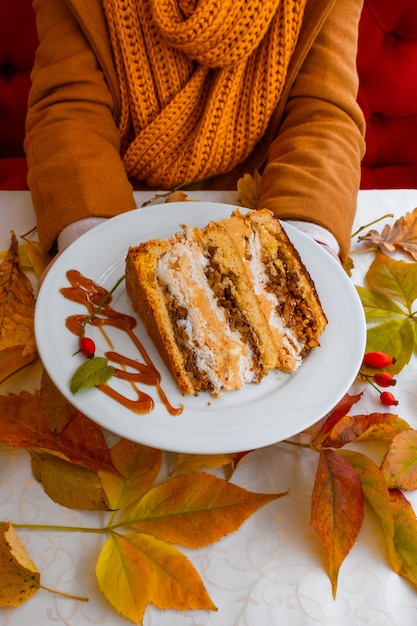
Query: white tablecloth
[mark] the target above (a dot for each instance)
(272, 571)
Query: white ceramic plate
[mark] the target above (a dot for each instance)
(279, 407)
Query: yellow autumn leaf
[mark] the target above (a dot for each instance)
(194, 509)
(194, 462)
(138, 467)
(250, 188)
(136, 570)
(20, 577)
(17, 307)
(68, 484)
(36, 258)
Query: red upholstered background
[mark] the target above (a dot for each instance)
(387, 66)
(18, 42)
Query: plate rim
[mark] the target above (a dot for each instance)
(153, 213)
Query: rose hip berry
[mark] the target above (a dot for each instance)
(87, 347)
(378, 359)
(384, 379)
(388, 399)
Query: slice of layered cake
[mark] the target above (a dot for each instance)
(226, 304)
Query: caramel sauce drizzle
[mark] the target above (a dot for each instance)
(86, 292)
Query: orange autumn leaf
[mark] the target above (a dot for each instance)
(337, 509)
(58, 412)
(194, 509)
(137, 468)
(401, 236)
(362, 427)
(20, 577)
(17, 307)
(136, 570)
(23, 425)
(399, 465)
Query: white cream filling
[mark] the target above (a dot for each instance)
(260, 280)
(219, 351)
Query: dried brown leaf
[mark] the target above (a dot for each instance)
(401, 236)
(17, 307)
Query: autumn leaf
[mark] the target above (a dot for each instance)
(376, 493)
(136, 570)
(401, 236)
(20, 577)
(405, 536)
(69, 485)
(138, 467)
(195, 462)
(388, 307)
(395, 279)
(400, 463)
(23, 425)
(37, 259)
(377, 306)
(58, 412)
(364, 427)
(193, 510)
(17, 307)
(337, 509)
(319, 431)
(250, 188)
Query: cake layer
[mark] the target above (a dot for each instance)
(227, 303)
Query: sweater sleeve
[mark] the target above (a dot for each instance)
(313, 167)
(72, 142)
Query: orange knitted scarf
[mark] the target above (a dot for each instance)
(199, 81)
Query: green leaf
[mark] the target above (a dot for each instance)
(377, 306)
(395, 337)
(92, 372)
(396, 280)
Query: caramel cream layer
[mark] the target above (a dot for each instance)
(219, 351)
(249, 245)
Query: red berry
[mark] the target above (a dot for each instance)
(384, 379)
(87, 347)
(388, 399)
(378, 359)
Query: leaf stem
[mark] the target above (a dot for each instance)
(71, 596)
(371, 224)
(165, 194)
(74, 529)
